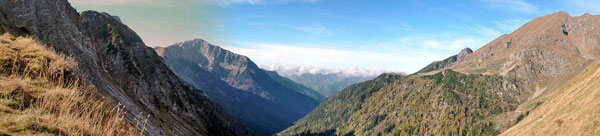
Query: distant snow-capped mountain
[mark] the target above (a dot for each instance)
(288, 70)
(326, 81)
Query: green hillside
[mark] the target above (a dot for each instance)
(444, 103)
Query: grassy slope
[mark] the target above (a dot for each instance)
(39, 95)
(444, 103)
(572, 110)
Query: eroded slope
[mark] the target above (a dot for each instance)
(572, 110)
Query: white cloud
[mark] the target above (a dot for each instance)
(512, 5)
(442, 43)
(406, 55)
(460, 44)
(288, 70)
(497, 28)
(508, 26)
(486, 31)
(431, 43)
(584, 5)
(315, 29)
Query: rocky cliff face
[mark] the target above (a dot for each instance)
(246, 91)
(116, 61)
(544, 54)
(543, 51)
(571, 110)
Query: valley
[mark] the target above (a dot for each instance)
(66, 71)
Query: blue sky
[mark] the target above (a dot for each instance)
(380, 35)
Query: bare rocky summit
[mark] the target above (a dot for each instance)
(463, 53)
(122, 68)
(261, 100)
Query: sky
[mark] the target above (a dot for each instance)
(374, 35)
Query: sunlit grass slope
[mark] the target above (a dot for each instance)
(40, 95)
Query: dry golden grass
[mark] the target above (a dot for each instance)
(40, 95)
(572, 110)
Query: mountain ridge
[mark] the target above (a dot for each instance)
(264, 102)
(115, 61)
(529, 64)
(438, 65)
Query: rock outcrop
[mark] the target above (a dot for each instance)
(463, 53)
(114, 59)
(571, 110)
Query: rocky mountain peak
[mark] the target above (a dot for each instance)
(238, 84)
(561, 13)
(463, 53)
(195, 43)
(209, 56)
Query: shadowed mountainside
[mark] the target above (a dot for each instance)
(260, 101)
(115, 61)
